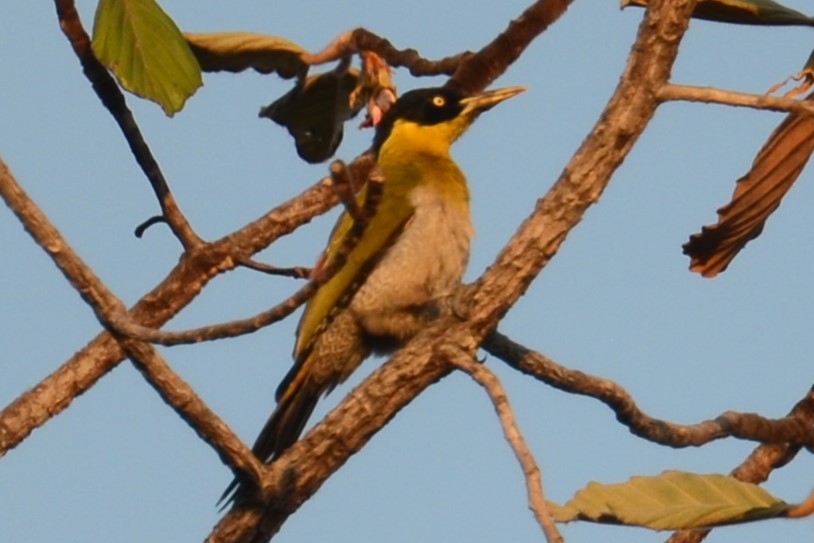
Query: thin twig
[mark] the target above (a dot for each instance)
(297, 272)
(236, 328)
(746, 426)
(108, 92)
(155, 219)
(132, 329)
(710, 95)
(759, 464)
(360, 39)
(343, 187)
(500, 401)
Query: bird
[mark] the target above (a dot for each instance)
(412, 254)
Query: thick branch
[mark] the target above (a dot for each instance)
(82, 278)
(491, 61)
(302, 469)
(584, 179)
(189, 406)
(747, 426)
(105, 305)
(195, 269)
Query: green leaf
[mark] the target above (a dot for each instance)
(238, 51)
(673, 500)
(142, 46)
(745, 12)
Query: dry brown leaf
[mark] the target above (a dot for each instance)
(757, 194)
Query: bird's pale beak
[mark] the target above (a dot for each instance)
(487, 100)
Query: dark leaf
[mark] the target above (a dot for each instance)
(315, 111)
(744, 12)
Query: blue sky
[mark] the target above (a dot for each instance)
(617, 300)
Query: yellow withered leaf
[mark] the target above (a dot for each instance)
(239, 51)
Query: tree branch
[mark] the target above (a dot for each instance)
(297, 272)
(747, 426)
(760, 463)
(130, 328)
(302, 469)
(362, 39)
(186, 280)
(584, 179)
(183, 400)
(108, 92)
(106, 306)
(710, 95)
(480, 70)
(531, 472)
(471, 72)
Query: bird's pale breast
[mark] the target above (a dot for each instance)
(424, 264)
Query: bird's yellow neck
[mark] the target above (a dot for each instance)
(410, 138)
(418, 155)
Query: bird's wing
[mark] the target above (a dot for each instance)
(392, 213)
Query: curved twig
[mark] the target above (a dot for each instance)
(155, 219)
(129, 328)
(362, 39)
(746, 426)
(759, 464)
(108, 92)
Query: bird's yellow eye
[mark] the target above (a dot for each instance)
(438, 101)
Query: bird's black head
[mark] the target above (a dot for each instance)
(422, 106)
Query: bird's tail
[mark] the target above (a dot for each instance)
(282, 429)
(286, 423)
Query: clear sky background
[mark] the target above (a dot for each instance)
(617, 300)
